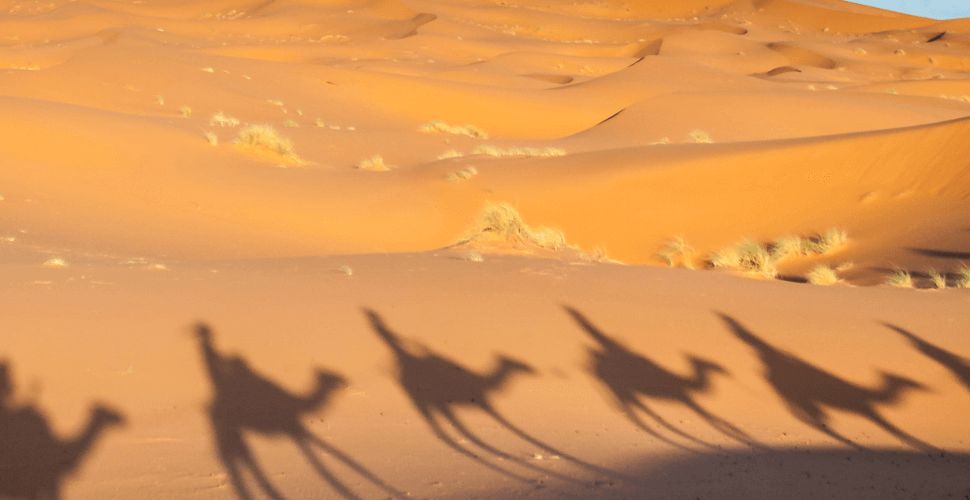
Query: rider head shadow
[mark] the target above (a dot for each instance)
(810, 392)
(438, 387)
(42, 460)
(631, 378)
(958, 365)
(245, 401)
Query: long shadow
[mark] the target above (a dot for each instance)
(438, 387)
(631, 378)
(940, 254)
(33, 461)
(809, 392)
(246, 401)
(958, 365)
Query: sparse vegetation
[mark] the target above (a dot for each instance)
(222, 120)
(440, 126)
(499, 152)
(186, 111)
(963, 277)
(749, 256)
(677, 251)
(827, 242)
(823, 275)
(160, 100)
(901, 279)
(374, 163)
(266, 136)
(938, 279)
(699, 137)
(345, 270)
(56, 262)
(212, 138)
(291, 124)
(502, 221)
(451, 153)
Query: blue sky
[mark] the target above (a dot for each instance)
(936, 9)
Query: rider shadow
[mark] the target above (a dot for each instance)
(437, 387)
(631, 378)
(810, 392)
(245, 401)
(958, 365)
(33, 461)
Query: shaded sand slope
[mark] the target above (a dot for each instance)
(589, 335)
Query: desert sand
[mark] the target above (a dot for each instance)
(314, 308)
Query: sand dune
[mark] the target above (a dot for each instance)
(247, 252)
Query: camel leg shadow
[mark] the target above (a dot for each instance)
(349, 462)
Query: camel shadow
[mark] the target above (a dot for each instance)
(630, 378)
(810, 392)
(245, 401)
(33, 461)
(958, 365)
(437, 387)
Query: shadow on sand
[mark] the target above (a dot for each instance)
(631, 378)
(810, 392)
(244, 401)
(33, 461)
(958, 365)
(438, 387)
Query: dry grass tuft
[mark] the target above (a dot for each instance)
(749, 256)
(212, 138)
(823, 275)
(266, 136)
(186, 111)
(499, 152)
(374, 164)
(901, 279)
(223, 120)
(451, 153)
(291, 124)
(55, 262)
(440, 126)
(963, 279)
(677, 251)
(502, 221)
(939, 280)
(699, 137)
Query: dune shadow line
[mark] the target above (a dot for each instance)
(246, 401)
(34, 462)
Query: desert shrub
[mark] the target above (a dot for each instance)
(901, 278)
(788, 246)
(515, 151)
(440, 126)
(223, 120)
(266, 136)
(823, 275)
(939, 280)
(186, 111)
(749, 256)
(829, 241)
(502, 221)
(374, 163)
(451, 153)
(212, 138)
(291, 124)
(699, 137)
(963, 277)
(677, 251)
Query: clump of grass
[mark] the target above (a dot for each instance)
(266, 136)
(861, 51)
(319, 122)
(665, 140)
(56, 262)
(823, 275)
(223, 120)
(963, 277)
(699, 137)
(749, 256)
(212, 138)
(451, 153)
(677, 251)
(275, 102)
(901, 279)
(938, 279)
(160, 100)
(502, 221)
(788, 246)
(827, 242)
(440, 126)
(291, 124)
(499, 152)
(374, 163)
(208, 70)
(345, 270)
(186, 111)
(474, 257)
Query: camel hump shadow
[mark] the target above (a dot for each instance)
(631, 378)
(42, 460)
(810, 393)
(245, 401)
